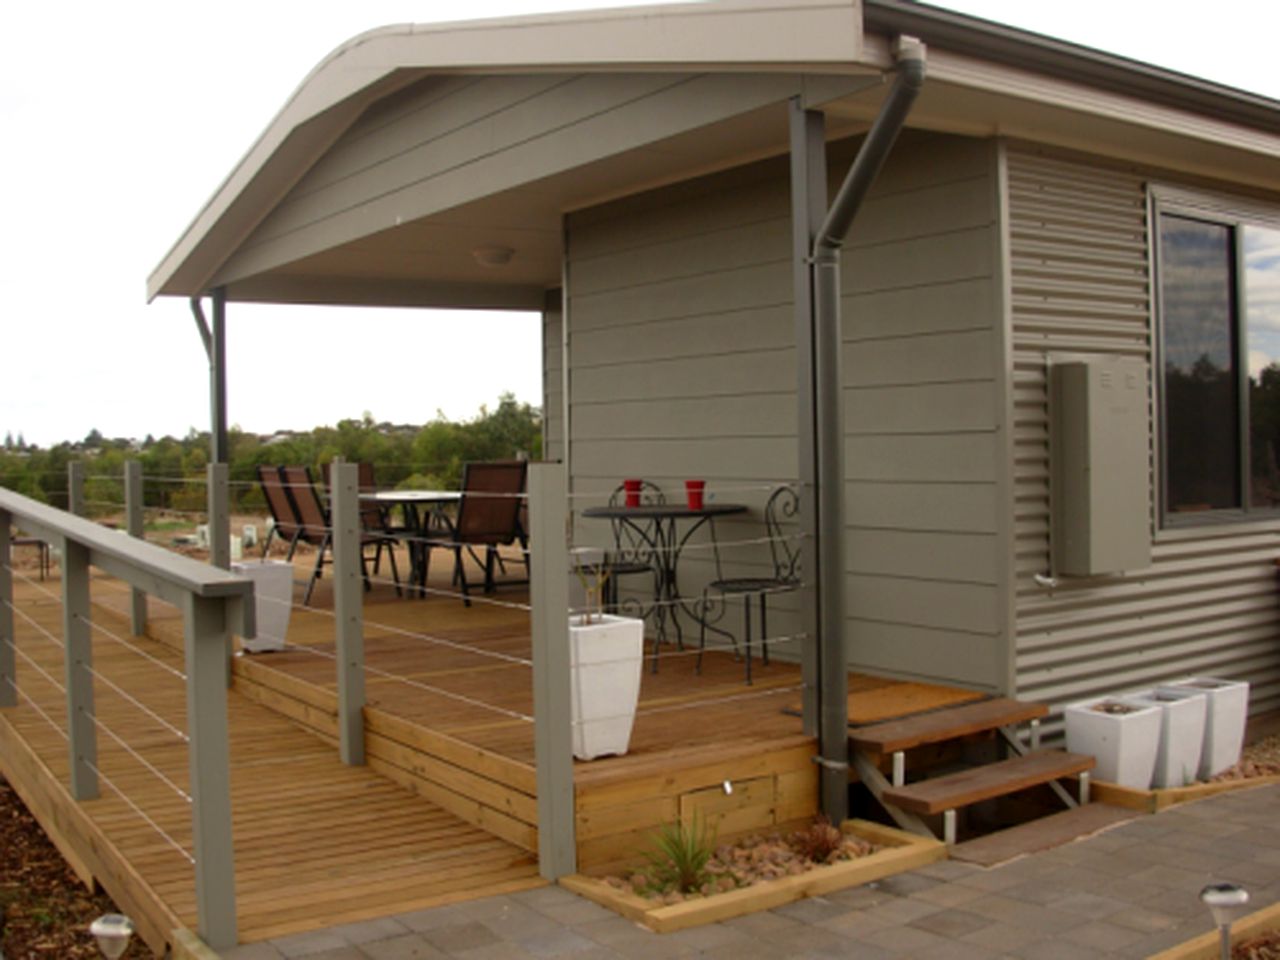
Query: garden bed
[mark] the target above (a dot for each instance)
(897, 851)
(1256, 934)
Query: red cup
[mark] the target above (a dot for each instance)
(632, 490)
(693, 493)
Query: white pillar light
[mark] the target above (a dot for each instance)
(1225, 902)
(112, 931)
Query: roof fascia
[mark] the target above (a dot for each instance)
(1037, 53)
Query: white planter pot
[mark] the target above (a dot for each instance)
(606, 657)
(272, 602)
(1124, 744)
(1181, 735)
(1225, 715)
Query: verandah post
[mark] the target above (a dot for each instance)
(8, 660)
(135, 525)
(219, 516)
(348, 608)
(75, 487)
(553, 732)
(77, 651)
(206, 633)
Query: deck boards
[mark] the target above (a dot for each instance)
(445, 809)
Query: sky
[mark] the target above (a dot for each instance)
(120, 121)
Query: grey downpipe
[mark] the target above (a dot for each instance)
(833, 729)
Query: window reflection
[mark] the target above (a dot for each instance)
(1262, 306)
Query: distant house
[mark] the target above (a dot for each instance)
(628, 175)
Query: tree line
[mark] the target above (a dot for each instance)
(429, 457)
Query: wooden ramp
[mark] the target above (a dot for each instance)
(316, 842)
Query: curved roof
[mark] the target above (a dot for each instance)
(985, 79)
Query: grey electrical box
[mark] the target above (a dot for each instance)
(1100, 493)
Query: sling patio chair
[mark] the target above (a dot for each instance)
(315, 528)
(284, 515)
(784, 553)
(488, 516)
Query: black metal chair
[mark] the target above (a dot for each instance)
(633, 552)
(784, 551)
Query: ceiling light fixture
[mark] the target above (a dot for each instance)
(493, 255)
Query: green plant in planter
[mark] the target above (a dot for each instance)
(593, 577)
(681, 851)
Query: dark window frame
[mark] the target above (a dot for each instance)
(1236, 215)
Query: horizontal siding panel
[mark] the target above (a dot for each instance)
(735, 374)
(769, 327)
(941, 458)
(929, 555)
(922, 408)
(768, 415)
(962, 607)
(935, 358)
(941, 507)
(943, 258)
(934, 308)
(724, 291)
(712, 458)
(944, 656)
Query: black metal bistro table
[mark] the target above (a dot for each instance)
(659, 526)
(425, 518)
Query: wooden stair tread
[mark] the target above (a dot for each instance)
(941, 725)
(983, 783)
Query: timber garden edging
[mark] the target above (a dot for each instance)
(901, 851)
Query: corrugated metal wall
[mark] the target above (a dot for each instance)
(1080, 284)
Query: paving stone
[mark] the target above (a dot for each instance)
(954, 950)
(1054, 949)
(855, 922)
(811, 909)
(708, 936)
(558, 943)
(305, 944)
(902, 940)
(906, 884)
(1143, 919)
(948, 869)
(1087, 905)
(253, 951)
(1103, 936)
(1019, 914)
(948, 895)
(609, 930)
(575, 911)
(860, 898)
(348, 952)
(410, 946)
(363, 932)
(540, 897)
(1001, 937)
(461, 936)
(904, 910)
(494, 951)
(951, 923)
(767, 921)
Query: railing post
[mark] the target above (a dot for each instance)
(75, 487)
(135, 524)
(219, 517)
(8, 660)
(206, 633)
(553, 732)
(82, 737)
(348, 608)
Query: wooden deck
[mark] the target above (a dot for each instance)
(446, 808)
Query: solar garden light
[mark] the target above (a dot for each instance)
(112, 931)
(1225, 901)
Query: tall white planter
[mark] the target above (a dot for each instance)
(1124, 744)
(272, 602)
(1225, 715)
(1181, 735)
(606, 657)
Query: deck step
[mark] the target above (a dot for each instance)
(985, 783)
(942, 725)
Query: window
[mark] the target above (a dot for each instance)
(1219, 287)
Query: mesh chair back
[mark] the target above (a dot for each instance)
(278, 502)
(311, 513)
(491, 497)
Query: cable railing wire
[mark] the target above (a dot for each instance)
(159, 774)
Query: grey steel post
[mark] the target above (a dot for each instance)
(82, 737)
(135, 524)
(808, 206)
(75, 487)
(219, 516)
(8, 660)
(219, 447)
(348, 608)
(553, 732)
(206, 633)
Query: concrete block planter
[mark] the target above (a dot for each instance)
(1226, 712)
(1181, 735)
(272, 602)
(606, 655)
(902, 851)
(1123, 735)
